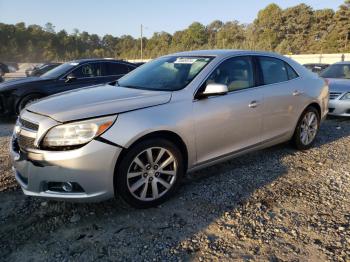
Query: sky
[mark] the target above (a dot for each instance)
(124, 17)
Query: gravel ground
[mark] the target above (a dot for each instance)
(276, 205)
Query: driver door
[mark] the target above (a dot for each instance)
(87, 74)
(229, 123)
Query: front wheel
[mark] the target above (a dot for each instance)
(307, 129)
(27, 100)
(149, 173)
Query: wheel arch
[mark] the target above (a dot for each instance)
(312, 104)
(316, 106)
(20, 99)
(165, 134)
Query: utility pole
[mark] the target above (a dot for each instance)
(141, 42)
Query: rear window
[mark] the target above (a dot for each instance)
(341, 71)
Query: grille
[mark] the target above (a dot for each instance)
(25, 142)
(331, 110)
(29, 125)
(334, 95)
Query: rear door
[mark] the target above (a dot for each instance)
(229, 123)
(283, 97)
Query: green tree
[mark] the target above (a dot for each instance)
(298, 29)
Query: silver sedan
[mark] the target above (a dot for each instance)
(338, 76)
(139, 136)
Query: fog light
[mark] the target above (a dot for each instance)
(63, 187)
(67, 186)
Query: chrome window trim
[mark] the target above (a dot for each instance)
(244, 55)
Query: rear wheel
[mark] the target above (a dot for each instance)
(307, 129)
(26, 101)
(149, 173)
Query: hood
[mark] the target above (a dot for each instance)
(97, 101)
(339, 85)
(16, 83)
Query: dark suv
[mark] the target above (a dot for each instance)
(16, 94)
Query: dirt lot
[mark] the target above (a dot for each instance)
(277, 205)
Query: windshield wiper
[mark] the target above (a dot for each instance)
(137, 87)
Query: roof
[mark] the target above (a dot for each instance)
(343, 63)
(97, 60)
(315, 64)
(223, 52)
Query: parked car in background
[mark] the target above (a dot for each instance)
(316, 68)
(175, 114)
(12, 66)
(139, 63)
(16, 94)
(41, 69)
(3, 69)
(338, 76)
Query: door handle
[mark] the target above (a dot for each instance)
(297, 93)
(253, 104)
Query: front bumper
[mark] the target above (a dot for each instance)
(91, 167)
(339, 107)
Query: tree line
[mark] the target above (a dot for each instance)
(294, 30)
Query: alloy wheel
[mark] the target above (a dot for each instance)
(308, 128)
(152, 173)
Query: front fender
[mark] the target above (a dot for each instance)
(172, 117)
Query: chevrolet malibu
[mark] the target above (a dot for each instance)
(338, 77)
(139, 136)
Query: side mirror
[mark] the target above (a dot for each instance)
(214, 90)
(70, 78)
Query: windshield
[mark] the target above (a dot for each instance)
(337, 71)
(166, 73)
(58, 71)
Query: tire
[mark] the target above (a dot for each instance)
(305, 141)
(148, 186)
(26, 101)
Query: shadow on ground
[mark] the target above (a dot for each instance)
(111, 229)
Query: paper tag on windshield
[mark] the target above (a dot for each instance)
(185, 60)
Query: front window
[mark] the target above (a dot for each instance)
(236, 73)
(166, 73)
(341, 71)
(88, 70)
(59, 71)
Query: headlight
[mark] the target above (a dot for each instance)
(346, 96)
(77, 133)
